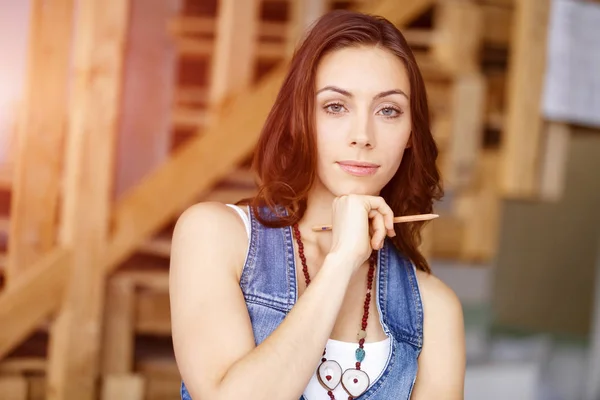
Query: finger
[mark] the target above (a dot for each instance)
(379, 204)
(379, 231)
(372, 214)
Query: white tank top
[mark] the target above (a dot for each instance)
(342, 352)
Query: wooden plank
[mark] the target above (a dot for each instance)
(40, 136)
(194, 47)
(419, 37)
(390, 9)
(123, 387)
(187, 25)
(31, 298)
(13, 387)
(153, 280)
(153, 314)
(466, 135)
(163, 388)
(36, 387)
(141, 212)
(242, 177)
(447, 236)
(189, 117)
(191, 94)
(459, 27)
(157, 367)
(119, 335)
(303, 14)
(99, 53)
(557, 140)
(497, 21)
(204, 48)
(232, 66)
(160, 247)
(521, 139)
(441, 129)
(479, 210)
(23, 365)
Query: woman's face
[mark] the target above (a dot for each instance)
(363, 119)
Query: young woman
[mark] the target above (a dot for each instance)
(263, 307)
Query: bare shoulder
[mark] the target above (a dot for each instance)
(438, 298)
(209, 226)
(209, 216)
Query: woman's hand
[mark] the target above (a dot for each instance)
(360, 225)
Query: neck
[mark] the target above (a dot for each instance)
(318, 212)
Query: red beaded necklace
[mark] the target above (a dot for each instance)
(354, 381)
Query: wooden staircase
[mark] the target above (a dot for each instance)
(210, 161)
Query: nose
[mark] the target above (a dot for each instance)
(362, 133)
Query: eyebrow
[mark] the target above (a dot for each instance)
(376, 97)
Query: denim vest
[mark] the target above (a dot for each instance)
(269, 285)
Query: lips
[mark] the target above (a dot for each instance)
(358, 168)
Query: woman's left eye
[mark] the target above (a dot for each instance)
(390, 112)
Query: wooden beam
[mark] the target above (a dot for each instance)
(189, 117)
(497, 21)
(458, 28)
(153, 313)
(191, 94)
(31, 298)
(521, 140)
(466, 136)
(99, 53)
(23, 365)
(13, 387)
(206, 26)
(234, 52)
(479, 210)
(160, 247)
(36, 387)
(119, 335)
(203, 48)
(40, 136)
(398, 15)
(123, 387)
(303, 15)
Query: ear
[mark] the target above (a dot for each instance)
(409, 143)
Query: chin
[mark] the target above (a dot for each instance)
(344, 188)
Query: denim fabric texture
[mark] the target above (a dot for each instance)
(269, 285)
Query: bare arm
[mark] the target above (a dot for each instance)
(442, 361)
(212, 334)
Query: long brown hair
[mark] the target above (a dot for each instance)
(286, 155)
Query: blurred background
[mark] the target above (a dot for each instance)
(116, 115)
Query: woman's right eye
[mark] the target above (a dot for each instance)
(334, 108)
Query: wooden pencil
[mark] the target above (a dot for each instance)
(397, 220)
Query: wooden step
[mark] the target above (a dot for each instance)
(191, 94)
(206, 26)
(23, 365)
(201, 48)
(189, 117)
